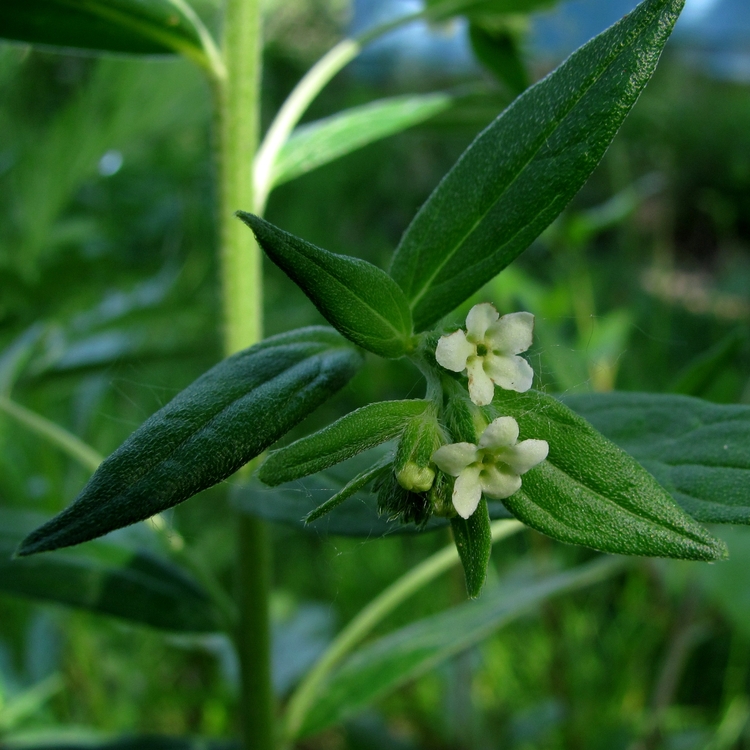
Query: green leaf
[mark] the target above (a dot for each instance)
(225, 418)
(61, 739)
(290, 504)
(498, 50)
(484, 9)
(473, 539)
(356, 432)
(519, 174)
(591, 492)
(144, 27)
(317, 143)
(112, 578)
(698, 451)
(355, 297)
(348, 490)
(700, 374)
(382, 666)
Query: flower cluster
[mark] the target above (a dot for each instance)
(488, 352)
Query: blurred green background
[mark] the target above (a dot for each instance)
(109, 306)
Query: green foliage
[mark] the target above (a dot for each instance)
(698, 451)
(145, 27)
(356, 432)
(474, 544)
(112, 578)
(383, 665)
(591, 492)
(357, 298)
(499, 51)
(484, 9)
(225, 418)
(519, 174)
(320, 142)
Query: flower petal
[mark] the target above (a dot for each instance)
(467, 492)
(498, 484)
(454, 458)
(479, 319)
(510, 373)
(524, 455)
(500, 433)
(481, 387)
(453, 351)
(512, 334)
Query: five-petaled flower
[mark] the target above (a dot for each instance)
(488, 352)
(492, 467)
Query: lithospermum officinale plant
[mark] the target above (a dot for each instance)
(631, 474)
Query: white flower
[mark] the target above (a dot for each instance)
(493, 467)
(487, 351)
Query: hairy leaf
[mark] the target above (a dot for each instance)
(317, 143)
(519, 174)
(473, 539)
(382, 666)
(356, 432)
(112, 578)
(591, 492)
(225, 418)
(698, 451)
(355, 297)
(148, 27)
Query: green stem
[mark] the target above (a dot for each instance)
(296, 104)
(67, 442)
(368, 618)
(238, 110)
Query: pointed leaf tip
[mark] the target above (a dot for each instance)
(358, 299)
(224, 419)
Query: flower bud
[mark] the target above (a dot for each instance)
(419, 440)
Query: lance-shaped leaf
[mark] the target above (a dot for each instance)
(698, 451)
(382, 666)
(354, 296)
(317, 143)
(591, 492)
(356, 432)
(499, 51)
(208, 431)
(106, 577)
(519, 174)
(147, 27)
(473, 538)
(291, 503)
(483, 9)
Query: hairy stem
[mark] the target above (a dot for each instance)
(238, 109)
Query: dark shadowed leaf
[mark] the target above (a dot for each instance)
(355, 297)
(358, 516)
(138, 742)
(109, 577)
(698, 451)
(149, 27)
(382, 666)
(591, 492)
(519, 174)
(499, 51)
(317, 143)
(208, 431)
